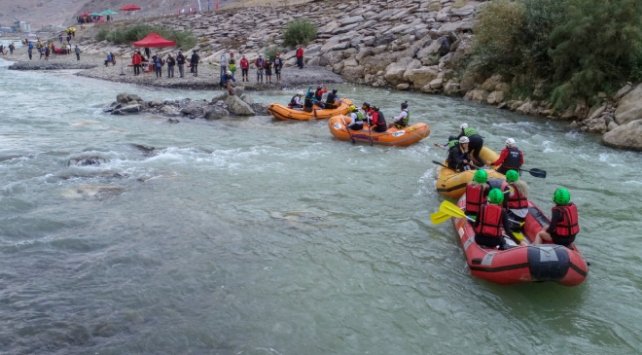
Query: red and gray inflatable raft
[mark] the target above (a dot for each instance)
(532, 263)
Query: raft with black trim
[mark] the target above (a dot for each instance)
(519, 264)
(452, 184)
(285, 113)
(392, 137)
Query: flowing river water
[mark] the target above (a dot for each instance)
(252, 236)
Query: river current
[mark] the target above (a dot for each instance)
(253, 236)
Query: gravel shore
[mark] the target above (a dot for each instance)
(92, 66)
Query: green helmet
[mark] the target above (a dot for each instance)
(561, 196)
(512, 175)
(495, 196)
(481, 176)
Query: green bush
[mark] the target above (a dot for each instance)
(126, 35)
(300, 31)
(573, 49)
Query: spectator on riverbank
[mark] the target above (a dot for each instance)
(137, 59)
(158, 65)
(47, 52)
(30, 50)
(232, 65)
(12, 48)
(170, 65)
(245, 68)
(194, 62)
(259, 63)
(223, 62)
(299, 57)
(180, 61)
(268, 70)
(278, 65)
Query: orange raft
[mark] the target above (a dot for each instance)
(285, 113)
(392, 137)
(452, 184)
(519, 264)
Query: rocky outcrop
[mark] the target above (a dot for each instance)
(219, 107)
(627, 136)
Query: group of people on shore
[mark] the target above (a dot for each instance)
(500, 209)
(46, 48)
(146, 62)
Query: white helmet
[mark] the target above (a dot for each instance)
(464, 139)
(510, 142)
(464, 126)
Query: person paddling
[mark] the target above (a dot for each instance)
(356, 119)
(476, 192)
(509, 158)
(564, 221)
(516, 203)
(401, 120)
(458, 158)
(488, 225)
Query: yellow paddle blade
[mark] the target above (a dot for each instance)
(518, 236)
(439, 217)
(451, 209)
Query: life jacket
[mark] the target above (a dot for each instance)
(569, 225)
(475, 198)
(512, 160)
(406, 119)
(293, 101)
(516, 200)
(469, 132)
(381, 121)
(360, 117)
(489, 221)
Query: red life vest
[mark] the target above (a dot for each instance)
(489, 221)
(516, 200)
(475, 197)
(569, 225)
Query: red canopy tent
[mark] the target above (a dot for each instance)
(154, 40)
(130, 7)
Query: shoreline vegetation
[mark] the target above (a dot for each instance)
(559, 59)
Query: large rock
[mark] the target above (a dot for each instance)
(238, 107)
(419, 77)
(128, 109)
(394, 74)
(627, 136)
(630, 107)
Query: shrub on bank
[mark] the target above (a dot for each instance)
(563, 49)
(129, 34)
(300, 31)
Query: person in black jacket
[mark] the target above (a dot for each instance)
(458, 155)
(194, 62)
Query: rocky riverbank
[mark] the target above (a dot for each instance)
(406, 45)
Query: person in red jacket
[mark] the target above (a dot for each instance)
(509, 158)
(488, 225)
(564, 221)
(299, 57)
(378, 122)
(245, 67)
(137, 58)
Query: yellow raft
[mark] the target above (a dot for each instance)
(452, 184)
(285, 113)
(392, 137)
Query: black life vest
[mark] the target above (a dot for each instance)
(475, 197)
(513, 158)
(381, 122)
(569, 225)
(516, 200)
(489, 221)
(292, 102)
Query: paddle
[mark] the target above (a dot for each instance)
(539, 173)
(453, 210)
(439, 217)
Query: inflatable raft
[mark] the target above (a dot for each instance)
(392, 137)
(285, 113)
(452, 184)
(532, 263)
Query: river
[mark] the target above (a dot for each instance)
(252, 236)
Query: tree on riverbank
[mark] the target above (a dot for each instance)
(560, 50)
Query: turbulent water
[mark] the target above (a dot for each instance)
(251, 236)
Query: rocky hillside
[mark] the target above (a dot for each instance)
(38, 13)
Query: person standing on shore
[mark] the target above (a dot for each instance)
(194, 62)
(170, 65)
(77, 50)
(245, 68)
(180, 61)
(232, 65)
(30, 50)
(259, 63)
(47, 51)
(223, 62)
(299, 57)
(12, 48)
(137, 58)
(268, 70)
(278, 65)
